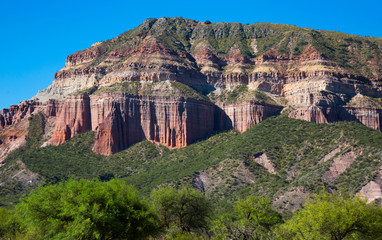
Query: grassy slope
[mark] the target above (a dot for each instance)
(288, 143)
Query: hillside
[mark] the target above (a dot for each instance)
(279, 158)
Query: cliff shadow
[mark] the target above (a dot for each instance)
(221, 120)
(132, 122)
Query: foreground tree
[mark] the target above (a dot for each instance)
(254, 219)
(86, 210)
(186, 209)
(334, 217)
(9, 227)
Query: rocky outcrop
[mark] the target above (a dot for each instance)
(12, 138)
(16, 113)
(373, 189)
(339, 165)
(263, 160)
(122, 119)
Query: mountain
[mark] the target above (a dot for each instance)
(175, 81)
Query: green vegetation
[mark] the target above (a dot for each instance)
(292, 146)
(180, 211)
(92, 210)
(232, 96)
(8, 224)
(334, 217)
(187, 91)
(170, 88)
(253, 219)
(376, 101)
(263, 98)
(131, 87)
(36, 128)
(86, 210)
(241, 93)
(87, 92)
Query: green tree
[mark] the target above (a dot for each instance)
(334, 217)
(5, 217)
(186, 209)
(9, 227)
(254, 219)
(86, 210)
(257, 211)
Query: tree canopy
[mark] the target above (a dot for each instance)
(186, 208)
(253, 219)
(86, 210)
(332, 216)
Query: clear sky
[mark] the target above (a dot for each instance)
(36, 36)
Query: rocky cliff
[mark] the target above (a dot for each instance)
(122, 119)
(174, 80)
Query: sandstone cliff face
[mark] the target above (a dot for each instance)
(122, 119)
(371, 117)
(72, 118)
(245, 115)
(125, 120)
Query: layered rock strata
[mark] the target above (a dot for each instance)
(370, 117)
(73, 117)
(243, 116)
(122, 119)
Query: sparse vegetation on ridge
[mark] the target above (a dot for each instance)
(241, 93)
(162, 88)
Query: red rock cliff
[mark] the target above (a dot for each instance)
(245, 115)
(121, 120)
(72, 118)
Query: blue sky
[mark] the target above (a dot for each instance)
(36, 36)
